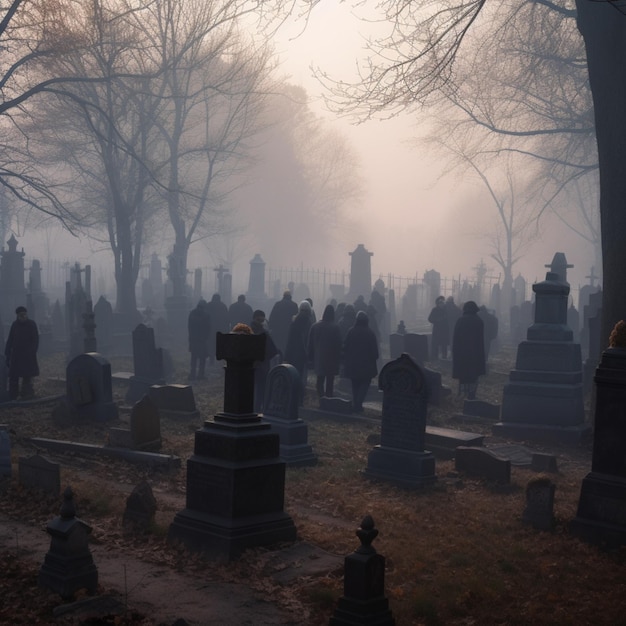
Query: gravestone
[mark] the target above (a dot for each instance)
(4, 380)
(483, 463)
(539, 509)
(281, 411)
(174, 401)
(235, 478)
(363, 600)
(89, 389)
(38, 472)
(601, 514)
(103, 312)
(400, 458)
(396, 345)
(5, 452)
(417, 347)
(148, 364)
(256, 280)
(140, 508)
(543, 399)
(145, 428)
(543, 462)
(341, 406)
(68, 565)
(592, 327)
(12, 288)
(360, 272)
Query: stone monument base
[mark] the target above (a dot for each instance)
(521, 431)
(350, 611)
(295, 450)
(225, 539)
(404, 468)
(601, 508)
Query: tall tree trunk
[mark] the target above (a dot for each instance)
(603, 26)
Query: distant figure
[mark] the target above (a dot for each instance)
(468, 350)
(401, 330)
(490, 328)
(453, 313)
(199, 332)
(313, 316)
(280, 319)
(218, 313)
(20, 352)
(239, 312)
(324, 350)
(297, 342)
(259, 326)
(360, 304)
(360, 355)
(440, 337)
(347, 320)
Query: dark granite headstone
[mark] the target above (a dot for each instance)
(68, 565)
(89, 388)
(4, 378)
(38, 472)
(601, 515)
(235, 478)
(483, 463)
(396, 345)
(481, 408)
(417, 347)
(174, 400)
(336, 405)
(103, 312)
(539, 510)
(541, 462)
(148, 363)
(5, 452)
(140, 509)
(281, 411)
(145, 425)
(363, 600)
(400, 458)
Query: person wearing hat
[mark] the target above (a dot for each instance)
(468, 350)
(20, 352)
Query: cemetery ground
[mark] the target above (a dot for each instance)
(456, 552)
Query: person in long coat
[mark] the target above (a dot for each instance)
(324, 351)
(218, 312)
(20, 352)
(468, 350)
(440, 337)
(360, 350)
(297, 342)
(240, 312)
(199, 334)
(259, 326)
(280, 319)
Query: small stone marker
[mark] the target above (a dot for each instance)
(363, 600)
(541, 462)
(145, 425)
(68, 565)
(140, 508)
(481, 408)
(38, 472)
(5, 452)
(539, 511)
(174, 400)
(89, 389)
(483, 463)
(336, 405)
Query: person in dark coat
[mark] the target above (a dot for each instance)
(324, 351)
(280, 318)
(441, 331)
(490, 326)
(218, 312)
(468, 350)
(360, 350)
(240, 312)
(453, 313)
(297, 342)
(346, 320)
(199, 333)
(259, 326)
(20, 352)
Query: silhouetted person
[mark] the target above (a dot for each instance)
(199, 333)
(280, 319)
(440, 337)
(360, 350)
(490, 328)
(20, 352)
(218, 312)
(240, 312)
(297, 342)
(259, 326)
(468, 350)
(453, 312)
(324, 350)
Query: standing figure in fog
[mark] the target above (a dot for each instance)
(468, 350)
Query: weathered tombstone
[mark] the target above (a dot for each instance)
(256, 280)
(145, 425)
(58, 323)
(235, 478)
(543, 399)
(360, 272)
(592, 327)
(539, 510)
(103, 312)
(89, 388)
(363, 600)
(68, 565)
(341, 406)
(281, 411)
(417, 346)
(601, 515)
(89, 326)
(12, 288)
(148, 364)
(396, 345)
(5, 452)
(38, 472)
(483, 463)
(174, 400)
(140, 508)
(400, 458)
(543, 462)
(481, 408)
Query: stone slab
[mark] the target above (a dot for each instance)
(545, 433)
(88, 449)
(483, 463)
(521, 456)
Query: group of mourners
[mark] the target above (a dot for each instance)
(344, 342)
(469, 332)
